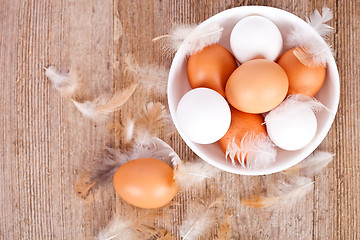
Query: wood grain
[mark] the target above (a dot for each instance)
(45, 143)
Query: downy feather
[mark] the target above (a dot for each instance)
(310, 102)
(100, 108)
(191, 175)
(313, 55)
(310, 50)
(131, 227)
(254, 152)
(118, 228)
(63, 82)
(286, 195)
(311, 165)
(317, 21)
(176, 37)
(100, 172)
(292, 104)
(148, 124)
(191, 37)
(129, 126)
(104, 169)
(200, 219)
(162, 151)
(150, 77)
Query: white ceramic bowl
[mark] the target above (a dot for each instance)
(328, 95)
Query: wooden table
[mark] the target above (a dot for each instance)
(45, 142)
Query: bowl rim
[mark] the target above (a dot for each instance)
(180, 55)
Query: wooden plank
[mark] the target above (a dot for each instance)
(9, 190)
(47, 141)
(346, 145)
(88, 45)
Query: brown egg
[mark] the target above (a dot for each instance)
(145, 183)
(257, 86)
(242, 123)
(211, 68)
(303, 79)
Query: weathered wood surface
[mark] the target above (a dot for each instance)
(45, 142)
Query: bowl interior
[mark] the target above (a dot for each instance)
(328, 95)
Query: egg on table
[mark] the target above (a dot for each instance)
(303, 79)
(257, 86)
(145, 183)
(211, 68)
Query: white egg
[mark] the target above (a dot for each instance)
(255, 37)
(203, 115)
(291, 128)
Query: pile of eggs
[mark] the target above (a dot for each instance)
(234, 92)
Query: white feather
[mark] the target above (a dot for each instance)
(154, 148)
(163, 151)
(62, 82)
(57, 79)
(284, 194)
(289, 193)
(100, 108)
(317, 21)
(192, 37)
(289, 185)
(311, 102)
(291, 104)
(89, 109)
(254, 152)
(202, 37)
(117, 229)
(129, 129)
(191, 175)
(178, 34)
(199, 220)
(152, 78)
(175, 159)
(312, 165)
(314, 51)
(132, 226)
